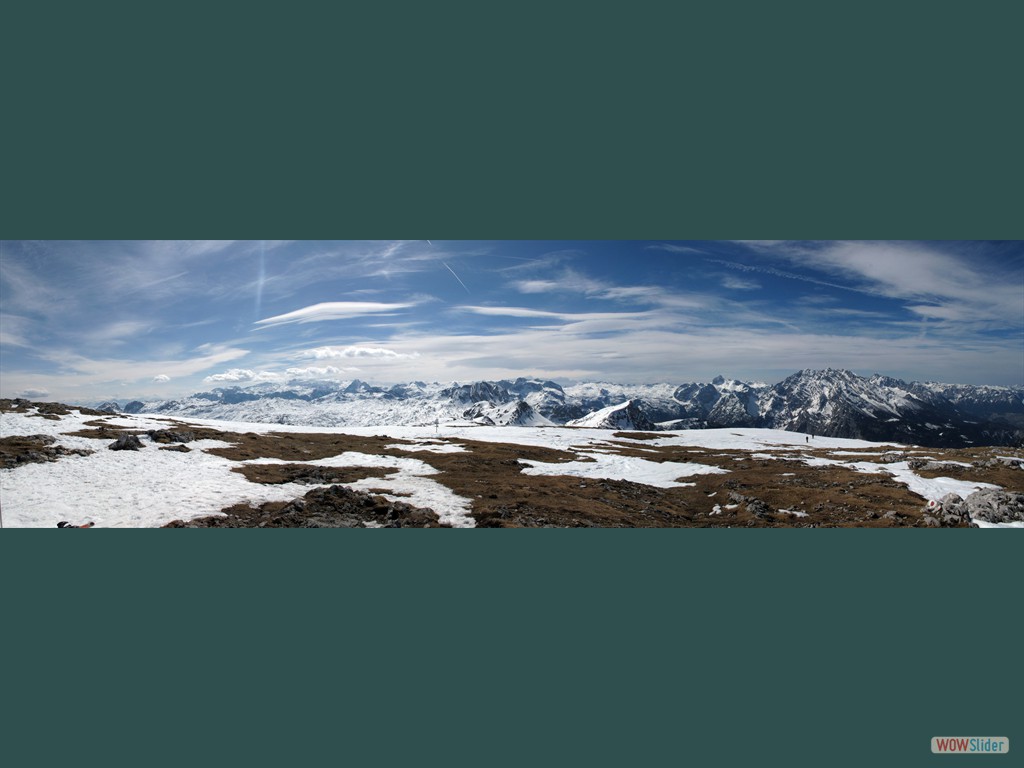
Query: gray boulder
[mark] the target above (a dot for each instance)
(126, 442)
(995, 506)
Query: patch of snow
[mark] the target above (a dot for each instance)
(430, 447)
(932, 488)
(817, 461)
(659, 474)
(794, 512)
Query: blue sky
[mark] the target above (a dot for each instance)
(116, 319)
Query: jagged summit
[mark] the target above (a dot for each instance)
(625, 416)
(829, 401)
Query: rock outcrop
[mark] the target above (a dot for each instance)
(995, 506)
(171, 436)
(126, 442)
(948, 512)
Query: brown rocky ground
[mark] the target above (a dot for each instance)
(333, 507)
(756, 492)
(28, 449)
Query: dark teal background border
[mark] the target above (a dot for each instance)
(456, 120)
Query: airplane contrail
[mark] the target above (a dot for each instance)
(455, 276)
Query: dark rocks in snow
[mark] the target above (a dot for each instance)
(126, 442)
(33, 449)
(176, 447)
(171, 436)
(933, 466)
(334, 507)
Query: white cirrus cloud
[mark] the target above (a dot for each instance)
(673, 248)
(161, 378)
(354, 352)
(14, 330)
(942, 280)
(536, 286)
(334, 310)
(739, 284)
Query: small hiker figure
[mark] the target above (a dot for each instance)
(66, 524)
(807, 439)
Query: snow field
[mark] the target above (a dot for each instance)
(130, 489)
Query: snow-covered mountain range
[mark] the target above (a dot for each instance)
(835, 403)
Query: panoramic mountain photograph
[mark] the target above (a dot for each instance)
(511, 384)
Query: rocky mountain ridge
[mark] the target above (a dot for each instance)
(829, 402)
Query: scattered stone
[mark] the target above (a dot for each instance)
(756, 507)
(1001, 461)
(126, 442)
(180, 448)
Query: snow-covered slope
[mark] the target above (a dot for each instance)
(515, 414)
(623, 416)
